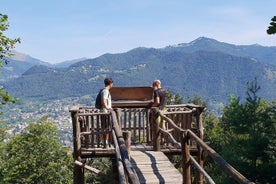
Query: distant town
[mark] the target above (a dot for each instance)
(18, 116)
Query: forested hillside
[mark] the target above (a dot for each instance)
(187, 69)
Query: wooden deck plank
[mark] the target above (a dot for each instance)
(154, 167)
(141, 147)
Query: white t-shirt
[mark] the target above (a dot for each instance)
(106, 95)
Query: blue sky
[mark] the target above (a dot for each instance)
(60, 30)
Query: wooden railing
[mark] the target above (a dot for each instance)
(90, 128)
(89, 133)
(190, 138)
(122, 155)
(188, 135)
(135, 120)
(183, 131)
(176, 118)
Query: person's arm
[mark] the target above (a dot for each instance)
(104, 100)
(105, 104)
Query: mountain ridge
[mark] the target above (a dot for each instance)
(208, 73)
(18, 63)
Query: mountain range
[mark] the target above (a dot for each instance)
(205, 67)
(18, 63)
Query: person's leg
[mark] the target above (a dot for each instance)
(105, 128)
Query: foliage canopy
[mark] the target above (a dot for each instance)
(272, 28)
(249, 136)
(5, 45)
(36, 156)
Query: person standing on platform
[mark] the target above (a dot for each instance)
(105, 95)
(106, 106)
(159, 97)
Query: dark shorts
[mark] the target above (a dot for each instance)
(105, 121)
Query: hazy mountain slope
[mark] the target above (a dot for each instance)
(19, 63)
(261, 53)
(211, 75)
(66, 64)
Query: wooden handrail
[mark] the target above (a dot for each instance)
(187, 106)
(177, 112)
(93, 114)
(170, 137)
(133, 178)
(121, 172)
(177, 128)
(219, 160)
(201, 170)
(187, 134)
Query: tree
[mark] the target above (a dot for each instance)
(2, 148)
(36, 156)
(173, 99)
(197, 100)
(213, 131)
(272, 28)
(5, 45)
(105, 166)
(249, 133)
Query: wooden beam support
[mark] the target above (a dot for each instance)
(78, 171)
(94, 170)
(186, 163)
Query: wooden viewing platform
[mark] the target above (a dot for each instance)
(139, 146)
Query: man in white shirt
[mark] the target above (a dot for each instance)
(106, 105)
(106, 97)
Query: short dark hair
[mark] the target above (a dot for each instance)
(108, 81)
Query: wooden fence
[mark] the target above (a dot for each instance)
(190, 138)
(135, 120)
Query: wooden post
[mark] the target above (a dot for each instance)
(199, 111)
(155, 133)
(118, 113)
(186, 163)
(127, 138)
(149, 127)
(200, 122)
(78, 171)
